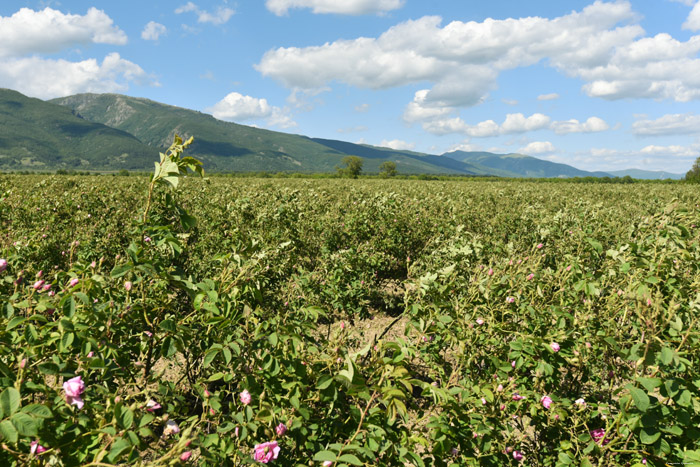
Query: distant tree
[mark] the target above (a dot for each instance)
(353, 166)
(123, 173)
(388, 169)
(693, 174)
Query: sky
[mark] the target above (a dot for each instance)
(600, 85)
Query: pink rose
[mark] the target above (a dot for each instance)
(518, 456)
(266, 452)
(598, 435)
(555, 346)
(127, 285)
(518, 397)
(152, 405)
(3, 264)
(245, 398)
(539, 246)
(74, 387)
(281, 429)
(546, 401)
(490, 273)
(36, 448)
(327, 463)
(530, 276)
(171, 428)
(73, 282)
(479, 321)
(184, 457)
(38, 284)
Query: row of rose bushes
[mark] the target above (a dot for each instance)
(527, 333)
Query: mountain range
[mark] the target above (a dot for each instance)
(109, 132)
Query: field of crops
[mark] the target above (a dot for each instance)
(348, 322)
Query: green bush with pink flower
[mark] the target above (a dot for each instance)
(189, 321)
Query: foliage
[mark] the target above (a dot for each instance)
(355, 322)
(388, 169)
(353, 166)
(693, 174)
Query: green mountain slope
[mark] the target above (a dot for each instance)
(225, 146)
(519, 165)
(38, 135)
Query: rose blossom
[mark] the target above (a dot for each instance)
(127, 285)
(171, 428)
(36, 448)
(73, 282)
(185, 456)
(281, 429)
(598, 435)
(518, 456)
(266, 452)
(245, 397)
(74, 387)
(546, 401)
(152, 405)
(3, 264)
(555, 346)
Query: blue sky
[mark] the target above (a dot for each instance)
(600, 85)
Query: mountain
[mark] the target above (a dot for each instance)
(38, 135)
(646, 174)
(519, 165)
(109, 132)
(226, 146)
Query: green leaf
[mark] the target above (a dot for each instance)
(641, 400)
(14, 322)
(209, 357)
(649, 383)
(120, 270)
(168, 325)
(350, 459)
(9, 401)
(26, 425)
(38, 410)
(649, 435)
(118, 448)
(126, 418)
(69, 307)
(215, 377)
(665, 356)
(8, 431)
(323, 456)
(324, 381)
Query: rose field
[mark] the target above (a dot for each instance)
(339, 322)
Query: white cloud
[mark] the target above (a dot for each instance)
(671, 124)
(397, 144)
(220, 16)
(465, 146)
(510, 101)
(518, 123)
(362, 108)
(592, 125)
(49, 31)
(344, 7)
(153, 31)
(674, 150)
(45, 79)
(602, 44)
(538, 147)
(693, 21)
(548, 97)
(514, 123)
(237, 107)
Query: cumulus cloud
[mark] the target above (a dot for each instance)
(548, 97)
(46, 79)
(153, 31)
(514, 123)
(602, 44)
(592, 125)
(220, 16)
(237, 107)
(465, 146)
(693, 21)
(362, 108)
(343, 7)
(673, 150)
(397, 144)
(671, 124)
(538, 147)
(49, 31)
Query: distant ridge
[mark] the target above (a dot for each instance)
(519, 165)
(647, 174)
